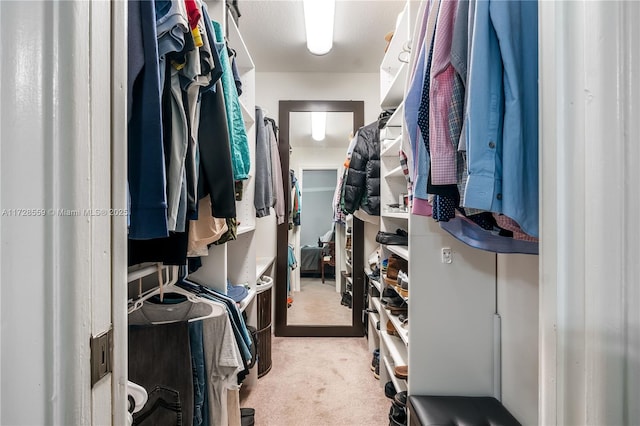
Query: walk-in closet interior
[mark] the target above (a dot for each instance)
(427, 217)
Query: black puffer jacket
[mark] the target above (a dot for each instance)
(362, 185)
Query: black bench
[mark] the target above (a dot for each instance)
(458, 410)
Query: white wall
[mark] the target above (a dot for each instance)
(274, 87)
(518, 309)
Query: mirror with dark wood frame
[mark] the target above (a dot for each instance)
(288, 327)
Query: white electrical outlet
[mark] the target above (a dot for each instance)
(447, 255)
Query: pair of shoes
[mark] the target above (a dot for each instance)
(395, 264)
(400, 399)
(346, 299)
(403, 284)
(391, 329)
(390, 390)
(401, 372)
(375, 363)
(397, 415)
(397, 307)
(400, 238)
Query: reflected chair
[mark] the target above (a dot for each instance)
(328, 257)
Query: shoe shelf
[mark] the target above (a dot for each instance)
(396, 215)
(396, 348)
(402, 251)
(374, 319)
(402, 331)
(376, 284)
(375, 301)
(406, 298)
(399, 384)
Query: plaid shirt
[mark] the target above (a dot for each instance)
(443, 154)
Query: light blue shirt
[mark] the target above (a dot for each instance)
(411, 106)
(502, 111)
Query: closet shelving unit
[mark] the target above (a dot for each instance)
(394, 349)
(455, 343)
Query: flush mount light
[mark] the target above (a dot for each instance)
(318, 21)
(318, 125)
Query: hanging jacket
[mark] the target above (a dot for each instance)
(362, 185)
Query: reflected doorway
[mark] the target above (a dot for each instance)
(317, 297)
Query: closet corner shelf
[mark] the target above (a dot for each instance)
(396, 118)
(397, 172)
(247, 300)
(392, 149)
(396, 215)
(247, 116)
(402, 251)
(395, 93)
(262, 264)
(236, 42)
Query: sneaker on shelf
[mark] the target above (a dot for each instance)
(375, 359)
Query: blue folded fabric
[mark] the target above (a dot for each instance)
(236, 292)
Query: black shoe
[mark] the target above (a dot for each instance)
(397, 416)
(389, 390)
(400, 399)
(375, 360)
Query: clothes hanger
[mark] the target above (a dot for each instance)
(171, 275)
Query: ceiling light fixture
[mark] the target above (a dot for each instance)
(318, 125)
(318, 22)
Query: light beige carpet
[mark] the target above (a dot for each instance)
(316, 382)
(317, 304)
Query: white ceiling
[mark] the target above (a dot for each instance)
(273, 31)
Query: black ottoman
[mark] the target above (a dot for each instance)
(458, 410)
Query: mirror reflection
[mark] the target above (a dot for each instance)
(319, 145)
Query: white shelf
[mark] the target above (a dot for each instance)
(247, 116)
(392, 149)
(373, 319)
(247, 300)
(402, 331)
(376, 304)
(236, 42)
(135, 273)
(262, 264)
(396, 215)
(395, 346)
(395, 93)
(399, 384)
(376, 284)
(396, 118)
(243, 229)
(397, 172)
(402, 251)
